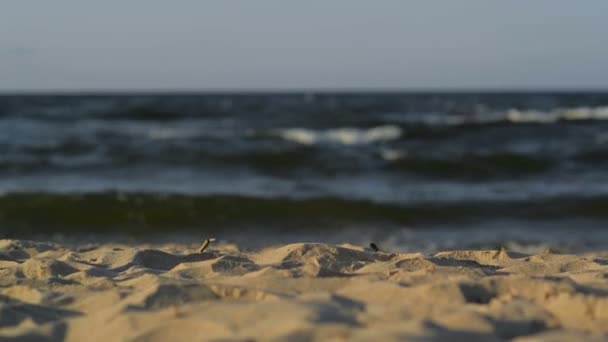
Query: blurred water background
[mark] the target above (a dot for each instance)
(411, 170)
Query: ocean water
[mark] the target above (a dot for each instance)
(413, 170)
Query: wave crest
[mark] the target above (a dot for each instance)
(342, 136)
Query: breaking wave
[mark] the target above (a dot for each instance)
(343, 136)
(512, 116)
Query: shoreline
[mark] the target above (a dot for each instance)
(308, 291)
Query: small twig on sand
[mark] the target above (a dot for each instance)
(502, 250)
(205, 245)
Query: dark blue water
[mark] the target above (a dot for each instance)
(495, 163)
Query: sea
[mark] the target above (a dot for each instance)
(408, 171)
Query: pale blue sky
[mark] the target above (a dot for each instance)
(285, 45)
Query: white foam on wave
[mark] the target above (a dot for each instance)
(392, 155)
(532, 116)
(512, 115)
(343, 136)
(560, 114)
(199, 128)
(299, 135)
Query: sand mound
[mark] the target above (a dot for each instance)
(318, 260)
(14, 313)
(303, 291)
(163, 295)
(46, 268)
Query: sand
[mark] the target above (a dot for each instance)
(296, 292)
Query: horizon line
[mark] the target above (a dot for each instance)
(299, 91)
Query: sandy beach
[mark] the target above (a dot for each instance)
(296, 292)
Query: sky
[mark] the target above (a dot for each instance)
(154, 45)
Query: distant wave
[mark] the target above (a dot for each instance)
(343, 136)
(146, 113)
(436, 118)
(513, 116)
(568, 114)
(442, 118)
(140, 212)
